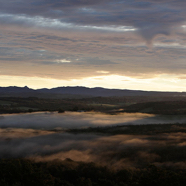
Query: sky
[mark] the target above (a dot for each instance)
(125, 44)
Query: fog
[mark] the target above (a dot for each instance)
(114, 151)
(31, 136)
(52, 120)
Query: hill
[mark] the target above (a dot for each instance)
(79, 92)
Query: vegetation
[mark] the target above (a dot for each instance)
(111, 105)
(21, 172)
(149, 129)
(141, 155)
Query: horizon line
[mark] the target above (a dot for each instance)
(90, 88)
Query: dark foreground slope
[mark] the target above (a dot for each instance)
(121, 156)
(21, 172)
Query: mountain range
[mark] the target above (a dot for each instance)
(68, 92)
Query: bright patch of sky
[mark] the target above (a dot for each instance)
(102, 72)
(163, 82)
(169, 45)
(63, 61)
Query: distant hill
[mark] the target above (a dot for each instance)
(78, 92)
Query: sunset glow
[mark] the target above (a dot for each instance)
(113, 44)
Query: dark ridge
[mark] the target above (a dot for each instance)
(82, 91)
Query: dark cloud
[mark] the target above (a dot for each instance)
(36, 36)
(150, 17)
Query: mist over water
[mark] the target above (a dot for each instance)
(31, 136)
(52, 120)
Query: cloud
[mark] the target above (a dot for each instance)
(150, 17)
(63, 61)
(129, 38)
(41, 22)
